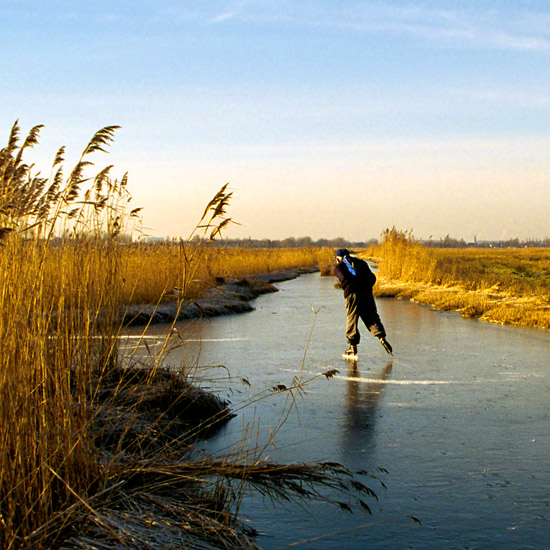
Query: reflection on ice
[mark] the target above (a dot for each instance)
(362, 400)
(362, 395)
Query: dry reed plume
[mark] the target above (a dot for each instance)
(59, 292)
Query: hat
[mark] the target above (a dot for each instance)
(342, 252)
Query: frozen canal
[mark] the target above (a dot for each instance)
(459, 418)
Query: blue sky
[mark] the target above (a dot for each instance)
(326, 118)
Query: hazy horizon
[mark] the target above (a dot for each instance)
(327, 119)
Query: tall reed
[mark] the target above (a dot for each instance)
(404, 258)
(517, 271)
(58, 294)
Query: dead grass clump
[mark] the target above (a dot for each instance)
(142, 410)
(526, 315)
(178, 505)
(469, 304)
(170, 495)
(393, 289)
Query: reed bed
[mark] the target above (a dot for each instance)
(151, 271)
(96, 452)
(55, 331)
(498, 285)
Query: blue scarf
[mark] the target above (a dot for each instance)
(349, 265)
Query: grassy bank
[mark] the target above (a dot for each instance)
(509, 286)
(150, 272)
(95, 452)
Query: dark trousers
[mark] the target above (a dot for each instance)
(362, 306)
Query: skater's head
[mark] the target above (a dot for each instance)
(341, 253)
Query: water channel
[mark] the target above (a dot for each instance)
(459, 418)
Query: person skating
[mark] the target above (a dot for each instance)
(357, 280)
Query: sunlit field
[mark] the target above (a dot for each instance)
(498, 285)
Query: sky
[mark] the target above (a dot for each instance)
(326, 118)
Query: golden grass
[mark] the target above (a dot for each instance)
(149, 271)
(54, 335)
(57, 306)
(498, 285)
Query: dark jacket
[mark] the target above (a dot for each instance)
(362, 281)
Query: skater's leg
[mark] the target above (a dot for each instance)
(370, 317)
(352, 320)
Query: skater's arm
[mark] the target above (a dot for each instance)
(343, 275)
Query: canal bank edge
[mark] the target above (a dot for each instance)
(227, 297)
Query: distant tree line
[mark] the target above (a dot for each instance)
(341, 242)
(295, 242)
(398, 235)
(450, 242)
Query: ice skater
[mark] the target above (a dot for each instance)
(357, 281)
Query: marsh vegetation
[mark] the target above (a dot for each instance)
(152, 272)
(509, 286)
(96, 451)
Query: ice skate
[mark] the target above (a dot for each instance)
(386, 345)
(350, 354)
